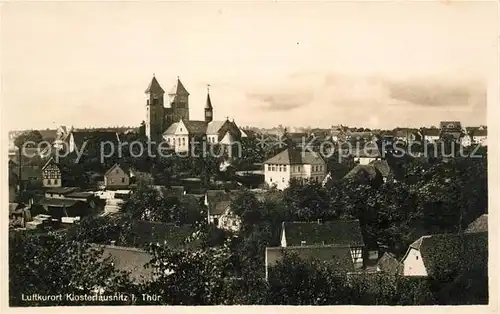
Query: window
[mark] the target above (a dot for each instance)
(270, 179)
(302, 242)
(268, 167)
(56, 181)
(282, 179)
(123, 180)
(183, 141)
(181, 129)
(281, 168)
(284, 167)
(173, 140)
(49, 181)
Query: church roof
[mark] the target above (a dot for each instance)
(208, 104)
(171, 129)
(214, 127)
(154, 87)
(196, 127)
(179, 89)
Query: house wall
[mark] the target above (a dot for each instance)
(278, 175)
(413, 264)
(227, 221)
(431, 138)
(117, 178)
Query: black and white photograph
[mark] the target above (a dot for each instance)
(272, 153)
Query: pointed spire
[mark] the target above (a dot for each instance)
(154, 87)
(208, 104)
(178, 89)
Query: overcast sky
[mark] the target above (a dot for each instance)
(370, 64)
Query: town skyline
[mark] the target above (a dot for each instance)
(92, 73)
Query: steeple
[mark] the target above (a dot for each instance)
(208, 104)
(154, 87)
(209, 111)
(178, 89)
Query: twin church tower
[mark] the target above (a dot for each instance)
(159, 117)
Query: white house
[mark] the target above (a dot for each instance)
(431, 255)
(294, 164)
(431, 135)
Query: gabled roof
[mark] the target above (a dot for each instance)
(338, 257)
(195, 126)
(130, 260)
(154, 87)
(219, 207)
(389, 264)
(146, 232)
(478, 225)
(49, 162)
(214, 127)
(122, 166)
(292, 156)
(178, 89)
(382, 166)
(171, 129)
(448, 252)
(339, 232)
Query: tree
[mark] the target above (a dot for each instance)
(29, 136)
(53, 265)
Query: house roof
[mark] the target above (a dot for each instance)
(130, 260)
(178, 89)
(219, 207)
(341, 232)
(478, 225)
(450, 125)
(214, 127)
(292, 156)
(101, 136)
(195, 126)
(445, 252)
(389, 264)
(337, 256)
(171, 129)
(58, 202)
(48, 134)
(122, 166)
(154, 87)
(431, 132)
(62, 190)
(146, 232)
(369, 172)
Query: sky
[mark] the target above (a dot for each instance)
(366, 64)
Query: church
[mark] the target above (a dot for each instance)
(170, 122)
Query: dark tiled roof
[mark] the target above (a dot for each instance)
(179, 89)
(101, 136)
(431, 132)
(146, 232)
(363, 171)
(29, 172)
(292, 156)
(478, 225)
(154, 87)
(446, 252)
(48, 135)
(389, 264)
(196, 127)
(337, 256)
(332, 232)
(130, 260)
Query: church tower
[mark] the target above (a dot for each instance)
(179, 102)
(154, 111)
(209, 110)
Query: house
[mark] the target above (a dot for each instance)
(451, 130)
(61, 192)
(389, 264)
(441, 255)
(19, 215)
(337, 257)
(377, 170)
(466, 140)
(62, 208)
(118, 176)
(108, 140)
(431, 135)
(293, 164)
(478, 225)
(477, 135)
(51, 174)
(407, 135)
(365, 155)
(219, 212)
(339, 233)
